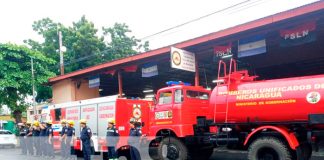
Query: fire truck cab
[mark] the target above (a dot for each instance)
(173, 122)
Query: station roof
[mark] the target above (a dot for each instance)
(310, 8)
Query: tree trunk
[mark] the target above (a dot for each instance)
(17, 115)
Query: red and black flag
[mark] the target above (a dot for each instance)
(223, 50)
(297, 35)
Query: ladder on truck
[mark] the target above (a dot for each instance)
(223, 137)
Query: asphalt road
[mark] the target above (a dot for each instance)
(14, 154)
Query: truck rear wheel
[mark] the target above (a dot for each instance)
(269, 148)
(171, 148)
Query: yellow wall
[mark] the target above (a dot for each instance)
(9, 118)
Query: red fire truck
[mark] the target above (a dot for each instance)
(272, 119)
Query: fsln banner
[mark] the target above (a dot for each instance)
(297, 35)
(94, 81)
(149, 70)
(252, 46)
(183, 60)
(223, 50)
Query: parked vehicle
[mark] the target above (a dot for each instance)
(7, 138)
(271, 119)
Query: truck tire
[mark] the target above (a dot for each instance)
(270, 148)
(171, 148)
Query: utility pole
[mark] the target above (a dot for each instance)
(61, 52)
(33, 84)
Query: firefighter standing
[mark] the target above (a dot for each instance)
(29, 140)
(63, 139)
(23, 130)
(70, 139)
(112, 139)
(135, 131)
(86, 135)
(42, 137)
(36, 140)
(49, 140)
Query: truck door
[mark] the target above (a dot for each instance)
(163, 109)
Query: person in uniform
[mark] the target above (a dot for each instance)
(112, 138)
(23, 130)
(85, 137)
(29, 140)
(135, 131)
(70, 136)
(42, 136)
(49, 140)
(36, 140)
(63, 139)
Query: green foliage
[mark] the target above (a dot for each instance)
(120, 44)
(15, 75)
(85, 46)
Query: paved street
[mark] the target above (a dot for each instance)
(14, 154)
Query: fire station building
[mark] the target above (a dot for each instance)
(287, 44)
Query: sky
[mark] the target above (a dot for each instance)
(144, 17)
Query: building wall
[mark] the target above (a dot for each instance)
(84, 92)
(68, 90)
(9, 118)
(63, 91)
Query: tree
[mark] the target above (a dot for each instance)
(120, 45)
(84, 47)
(15, 76)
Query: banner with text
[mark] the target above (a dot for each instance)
(183, 60)
(94, 81)
(149, 70)
(224, 50)
(298, 35)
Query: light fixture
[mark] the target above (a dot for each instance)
(149, 96)
(148, 91)
(227, 56)
(100, 90)
(218, 81)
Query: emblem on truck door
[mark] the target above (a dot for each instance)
(313, 97)
(137, 112)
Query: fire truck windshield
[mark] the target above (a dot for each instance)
(165, 97)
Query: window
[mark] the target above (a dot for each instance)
(198, 95)
(57, 114)
(165, 97)
(31, 112)
(178, 97)
(39, 111)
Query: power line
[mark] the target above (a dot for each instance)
(241, 6)
(196, 19)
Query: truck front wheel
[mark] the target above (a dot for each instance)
(172, 148)
(269, 148)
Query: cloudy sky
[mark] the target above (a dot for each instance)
(145, 17)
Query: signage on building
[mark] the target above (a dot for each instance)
(149, 70)
(184, 60)
(94, 82)
(222, 51)
(298, 35)
(251, 46)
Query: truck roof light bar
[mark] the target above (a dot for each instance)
(173, 83)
